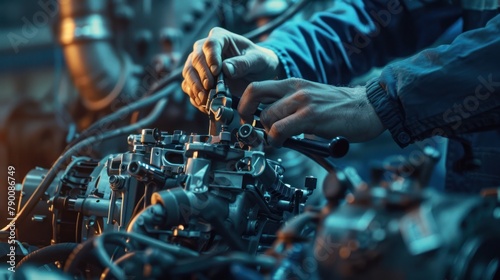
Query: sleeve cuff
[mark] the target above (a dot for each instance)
(390, 113)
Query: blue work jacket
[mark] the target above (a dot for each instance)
(451, 90)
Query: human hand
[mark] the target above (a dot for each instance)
(300, 106)
(241, 60)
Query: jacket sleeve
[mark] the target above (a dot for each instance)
(354, 36)
(447, 91)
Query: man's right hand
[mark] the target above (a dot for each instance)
(241, 60)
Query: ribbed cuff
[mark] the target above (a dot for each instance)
(390, 113)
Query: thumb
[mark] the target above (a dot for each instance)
(240, 66)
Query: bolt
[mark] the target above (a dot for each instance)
(115, 182)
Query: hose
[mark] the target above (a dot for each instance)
(47, 255)
(114, 269)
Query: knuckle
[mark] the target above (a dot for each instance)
(306, 112)
(198, 44)
(253, 87)
(278, 130)
(195, 86)
(215, 30)
(302, 96)
(270, 116)
(209, 43)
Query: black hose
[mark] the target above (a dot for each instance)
(114, 269)
(211, 262)
(76, 257)
(61, 161)
(291, 232)
(47, 255)
(127, 110)
(106, 273)
(83, 250)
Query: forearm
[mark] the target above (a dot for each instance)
(351, 38)
(448, 90)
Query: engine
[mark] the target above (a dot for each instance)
(180, 206)
(208, 194)
(127, 200)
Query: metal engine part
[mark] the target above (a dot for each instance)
(394, 228)
(410, 236)
(198, 180)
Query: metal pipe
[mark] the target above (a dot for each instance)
(99, 70)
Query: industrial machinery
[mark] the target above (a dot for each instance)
(392, 228)
(209, 194)
(179, 205)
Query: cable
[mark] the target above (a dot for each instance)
(114, 269)
(138, 205)
(127, 110)
(211, 262)
(124, 258)
(47, 255)
(84, 249)
(322, 161)
(76, 256)
(59, 163)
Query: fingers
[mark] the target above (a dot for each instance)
(195, 104)
(198, 79)
(239, 66)
(192, 84)
(200, 65)
(194, 100)
(290, 114)
(205, 63)
(286, 128)
(277, 111)
(285, 118)
(213, 48)
(256, 93)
